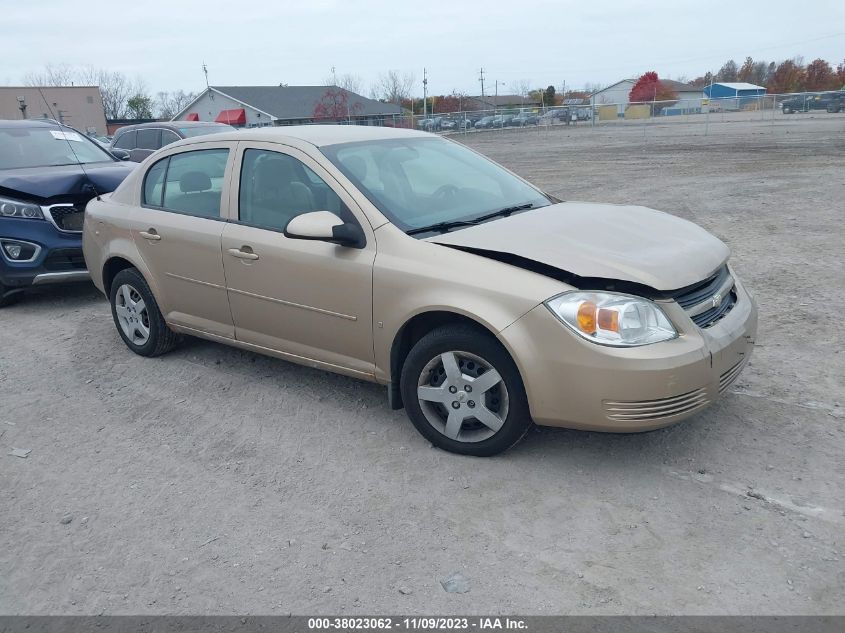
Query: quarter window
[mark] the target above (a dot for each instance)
(275, 188)
(168, 137)
(189, 183)
(154, 183)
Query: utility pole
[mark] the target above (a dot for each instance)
(334, 76)
(481, 79)
(425, 93)
(496, 100)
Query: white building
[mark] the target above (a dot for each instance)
(689, 97)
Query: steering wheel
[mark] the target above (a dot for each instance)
(446, 192)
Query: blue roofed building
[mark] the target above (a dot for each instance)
(734, 95)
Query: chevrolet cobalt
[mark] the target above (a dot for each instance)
(402, 258)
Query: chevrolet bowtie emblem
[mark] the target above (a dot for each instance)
(717, 300)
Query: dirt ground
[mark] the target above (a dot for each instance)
(216, 481)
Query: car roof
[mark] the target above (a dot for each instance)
(320, 135)
(30, 123)
(169, 125)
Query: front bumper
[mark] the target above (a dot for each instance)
(574, 383)
(59, 259)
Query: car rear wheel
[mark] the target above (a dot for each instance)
(137, 317)
(463, 392)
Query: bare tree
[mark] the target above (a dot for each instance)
(393, 86)
(169, 104)
(521, 87)
(115, 89)
(347, 81)
(52, 75)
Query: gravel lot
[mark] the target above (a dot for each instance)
(217, 481)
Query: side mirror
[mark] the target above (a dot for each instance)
(119, 154)
(325, 226)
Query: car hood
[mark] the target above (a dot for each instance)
(626, 243)
(42, 184)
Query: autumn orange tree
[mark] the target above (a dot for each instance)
(649, 89)
(789, 76)
(820, 76)
(334, 104)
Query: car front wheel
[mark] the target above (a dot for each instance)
(8, 296)
(137, 317)
(463, 392)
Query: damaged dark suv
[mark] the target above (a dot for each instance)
(48, 173)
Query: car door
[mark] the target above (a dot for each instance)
(178, 231)
(308, 299)
(147, 141)
(125, 141)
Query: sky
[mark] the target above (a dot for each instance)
(165, 43)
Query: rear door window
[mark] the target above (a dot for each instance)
(126, 140)
(148, 139)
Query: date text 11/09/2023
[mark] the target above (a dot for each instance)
(416, 624)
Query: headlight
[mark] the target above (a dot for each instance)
(14, 209)
(612, 319)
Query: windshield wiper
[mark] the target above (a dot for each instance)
(444, 227)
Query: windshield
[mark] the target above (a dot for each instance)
(201, 130)
(45, 147)
(418, 182)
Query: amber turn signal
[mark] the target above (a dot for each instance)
(587, 317)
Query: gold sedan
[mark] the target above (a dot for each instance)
(403, 258)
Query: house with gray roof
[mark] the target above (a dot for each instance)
(689, 97)
(260, 106)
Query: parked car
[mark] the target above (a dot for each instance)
(524, 118)
(835, 101)
(554, 115)
(829, 101)
(468, 121)
(143, 139)
(43, 192)
(336, 247)
(485, 122)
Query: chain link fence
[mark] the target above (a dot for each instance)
(705, 113)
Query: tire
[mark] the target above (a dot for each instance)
(137, 317)
(8, 296)
(474, 354)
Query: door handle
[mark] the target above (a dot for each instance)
(150, 235)
(240, 253)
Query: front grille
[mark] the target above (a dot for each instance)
(65, 259)
(67, 218)
(709, 317)
(693, 295)
(701, 302)
(728, 378)
(653, 410)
